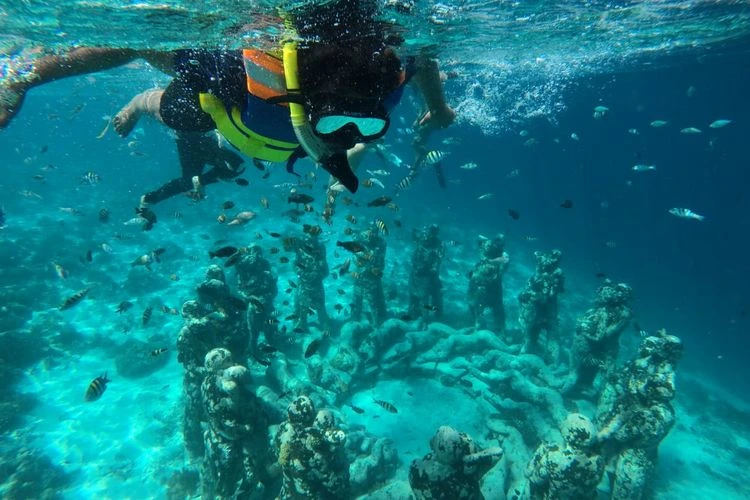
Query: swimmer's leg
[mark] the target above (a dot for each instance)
(147, 103)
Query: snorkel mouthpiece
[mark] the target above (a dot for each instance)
(334, 161)
(338, 166)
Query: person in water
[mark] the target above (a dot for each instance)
(338, 83)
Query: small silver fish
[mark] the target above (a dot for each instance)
(720, 123)
(644, 168)
(690, 131)
(686, 213)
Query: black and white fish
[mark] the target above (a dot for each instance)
(96, 388)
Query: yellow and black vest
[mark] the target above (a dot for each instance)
(272, 136)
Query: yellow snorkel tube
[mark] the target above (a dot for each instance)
(333, 161)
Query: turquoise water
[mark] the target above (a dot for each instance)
(525, 80)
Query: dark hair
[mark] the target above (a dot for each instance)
(359, 70)
(344, 51)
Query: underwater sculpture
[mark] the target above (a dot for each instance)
(368, 286)
(215, 319)
(311, 454)
(568, 470)
(236, 441)
(597, 337)
(453, 469)
(486, 286)
(312, 268)
(538, 303)
(636, 414)
(425, 287)
(257, 283)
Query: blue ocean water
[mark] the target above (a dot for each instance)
(689, 277)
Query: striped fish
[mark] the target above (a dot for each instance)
(380, 224)
(434, 156)
(147, 315)
(74, 299)
(386, 405)
(96, 388)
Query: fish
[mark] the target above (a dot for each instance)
(227, 205)
(720, 123)
(265, 175)
(259, 164)
(566, 204)
(375, 181)
(686, 213)
(146, 316)
(404, 183)
(380, 224)
(106, 248)
(514, 214)
(90, 178)
(380, 201)
(223, 252)
(300, 198)
(284, 260)
(233, 259)
(643, 168)
(123, 306)
(273, 234)
(601, 275)
(378, 172)
(96, 388)
(261, 361)
(242, 218)
(311, 230)
(312, 348)
(690, 131)
(158, 351)
(344, 267)
(265, 203)
(267, 349)
(530, 239)
(469, 166)
(356, 409)
(430, 307)
(351, 246)
(485, 196)
(658, 123)
(434, 156)
(74, 299)
(513, 173)
(241, 182)
(633, 131)
(574, 136)
(71, 211)
(386, 405)
(61, 272)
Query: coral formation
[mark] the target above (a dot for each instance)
(485, 284)
(538, 302)
(597, 336)
(453, 469)
(312, 269)
(235, 438)
(215, 319)
(570, 470)
(425, 287)
(368, 285)
(311, 454)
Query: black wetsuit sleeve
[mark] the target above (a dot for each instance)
(221, 73)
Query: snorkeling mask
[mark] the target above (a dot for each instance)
(344, 122)
(327, 125)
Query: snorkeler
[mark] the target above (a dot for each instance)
(338, 84)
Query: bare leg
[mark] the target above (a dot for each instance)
(76, 62)
(147, 102)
